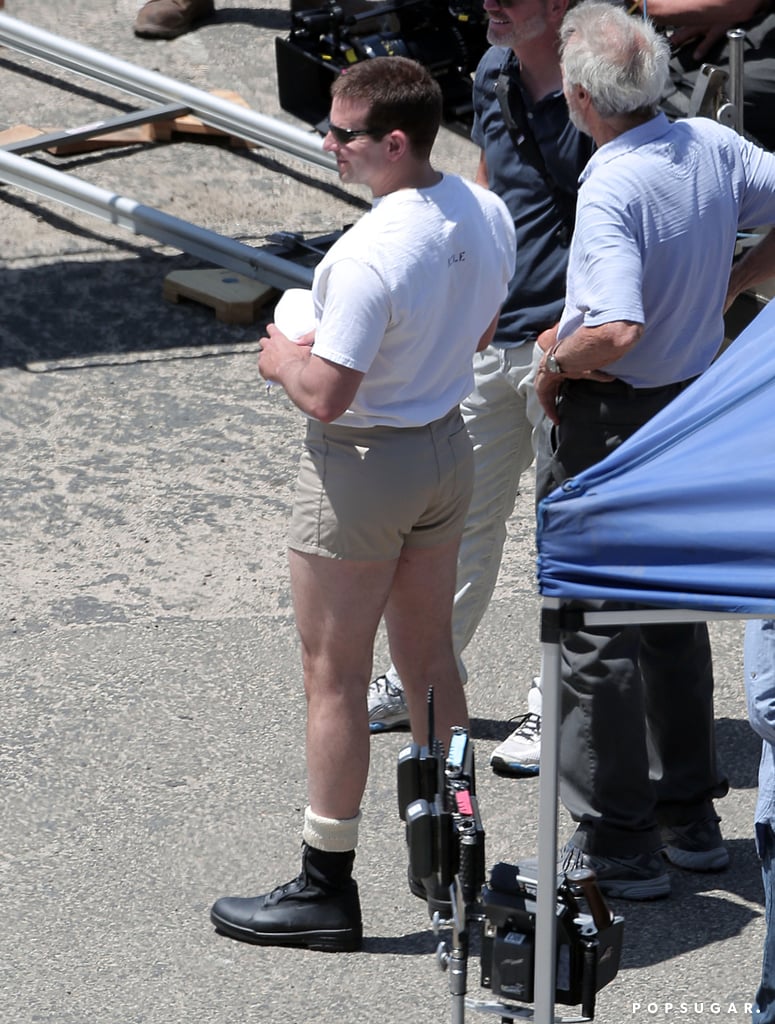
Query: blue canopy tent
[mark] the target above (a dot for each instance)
(681, 519)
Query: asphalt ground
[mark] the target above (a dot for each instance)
(152, 718)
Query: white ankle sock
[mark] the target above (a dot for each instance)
(332, 835)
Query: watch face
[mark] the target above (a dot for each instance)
(552, 365)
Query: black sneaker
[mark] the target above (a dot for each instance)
(696, 846)
(642, 877)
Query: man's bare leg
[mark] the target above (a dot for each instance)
(338, 607)
(418, 616)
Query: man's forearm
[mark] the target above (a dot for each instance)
(320, 389)
(585, 353)
(591, 349)
(703, 13)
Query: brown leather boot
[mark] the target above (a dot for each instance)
(165, 19)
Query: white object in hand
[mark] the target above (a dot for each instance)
(294, 313)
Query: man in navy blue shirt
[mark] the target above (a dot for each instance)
(531, 156)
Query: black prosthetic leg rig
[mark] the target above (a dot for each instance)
(446, 845)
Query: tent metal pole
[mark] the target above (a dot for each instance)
(650, 616)
(212, 110)
(145, 220)
(548, 789)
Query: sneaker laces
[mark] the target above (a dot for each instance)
(528, 726)
(572, 858)
(382, 685)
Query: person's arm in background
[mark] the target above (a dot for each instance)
(757, 264)
(489, 334)
(482, 177)
(705, 21)
(760, 676)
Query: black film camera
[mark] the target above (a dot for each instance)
(589, 940)
(446, 842)
(447, 36)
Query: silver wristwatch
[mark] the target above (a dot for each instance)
(551, 363)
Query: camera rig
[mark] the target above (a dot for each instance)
(447, 36)
(446, 844)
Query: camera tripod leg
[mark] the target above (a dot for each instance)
(458, 981)
(454, 960)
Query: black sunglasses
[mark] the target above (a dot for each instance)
(345, 135)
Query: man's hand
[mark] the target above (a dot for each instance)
(277, 351)
(705, 38)
(547, 389)
(706, 21)
(547, 339)
(320, 388)
(579, 355)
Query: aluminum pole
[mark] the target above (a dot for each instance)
(736, 37)
(145, 220)
(212, 110)
(548, 791)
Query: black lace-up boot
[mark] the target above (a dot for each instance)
(319, 909)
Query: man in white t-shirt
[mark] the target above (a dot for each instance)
(402, 301)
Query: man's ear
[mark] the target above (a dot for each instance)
(397, 144)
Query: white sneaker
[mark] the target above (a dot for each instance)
(520, 752)
(387, 705)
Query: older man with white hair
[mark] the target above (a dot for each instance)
(659, 208)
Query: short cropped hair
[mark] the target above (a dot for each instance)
(401, 94)
(619, 59)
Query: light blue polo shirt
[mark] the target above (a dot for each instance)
(658, 212)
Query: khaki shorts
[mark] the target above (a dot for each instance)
(365, 494)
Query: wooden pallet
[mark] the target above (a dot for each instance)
(152, 131)
(235, 298)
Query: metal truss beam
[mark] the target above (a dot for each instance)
(170, 96)
(231, 118)
(168, 111)
(145, 220)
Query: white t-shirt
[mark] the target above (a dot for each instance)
(405, 295)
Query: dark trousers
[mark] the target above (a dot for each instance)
(637, 745)
(764, 1007)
